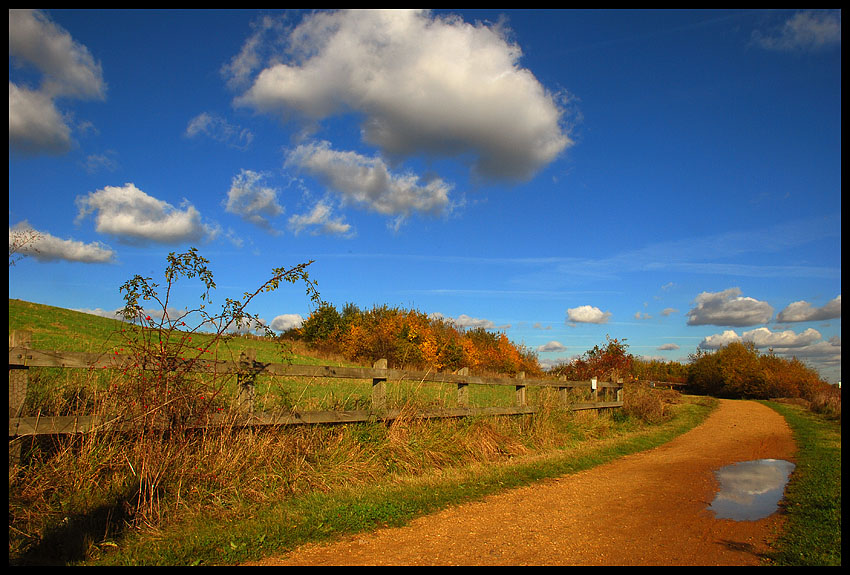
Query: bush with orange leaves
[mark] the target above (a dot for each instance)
(413, 339)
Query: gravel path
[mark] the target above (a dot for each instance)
(648, 508)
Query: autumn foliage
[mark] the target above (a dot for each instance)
(413, 339)
(610, 362)
(738, 370)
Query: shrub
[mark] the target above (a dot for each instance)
(647, 403)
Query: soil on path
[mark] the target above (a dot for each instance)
(650, 508)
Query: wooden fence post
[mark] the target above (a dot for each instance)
(521, 398)
(246, 382)
(379, 387)
(463, 389)
(563, 392)
(18, 382)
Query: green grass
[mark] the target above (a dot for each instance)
(69, 330)
(812, 535)
(55, 328)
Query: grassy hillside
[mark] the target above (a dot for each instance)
(67, 330)
(58, 328)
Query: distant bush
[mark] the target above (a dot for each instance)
(827, 402)
(413, 339)
(648, 404)
(738, 370)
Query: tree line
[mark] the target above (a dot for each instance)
(416, 340)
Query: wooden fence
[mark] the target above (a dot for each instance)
(604, 395)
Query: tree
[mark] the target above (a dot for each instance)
(609, 362)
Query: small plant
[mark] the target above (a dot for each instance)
(165, 348)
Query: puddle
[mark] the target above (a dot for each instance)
(750, 490)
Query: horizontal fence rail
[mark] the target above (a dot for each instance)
(247, 368)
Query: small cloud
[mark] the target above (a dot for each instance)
(466, 321)
(286, 322)
(251, 200)
(717, 341)
(220, 130)
(668, 347)
(100, 162)
(321, 221)
(587, 314)
(114, 314)
(133, 216)
(367, 182)
(552, 346)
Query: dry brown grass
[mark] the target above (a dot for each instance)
(649, 404)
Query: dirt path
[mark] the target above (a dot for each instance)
(644, 509)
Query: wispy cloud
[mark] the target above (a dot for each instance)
(219, 129)
(804, 31)
(367, 182)
(251, 200)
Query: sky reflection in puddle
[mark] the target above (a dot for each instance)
(750, 490)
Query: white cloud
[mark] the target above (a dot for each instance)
(133, 216)
(552, 346)
(717, 341)
(808, 346)
(48, 248)
(251, 200)
(368, 183)
(466, 321)
(286, 322)
(321, 220)
(729, 308)
(803, 311)
(35, 125)
(587, 314)
(805, 31)
(763, 338)
(67, 70)
(113, 314)
(424, 85)
(668, 347)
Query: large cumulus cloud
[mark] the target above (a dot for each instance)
(421, 84)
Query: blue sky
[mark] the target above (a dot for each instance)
(671, 178)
